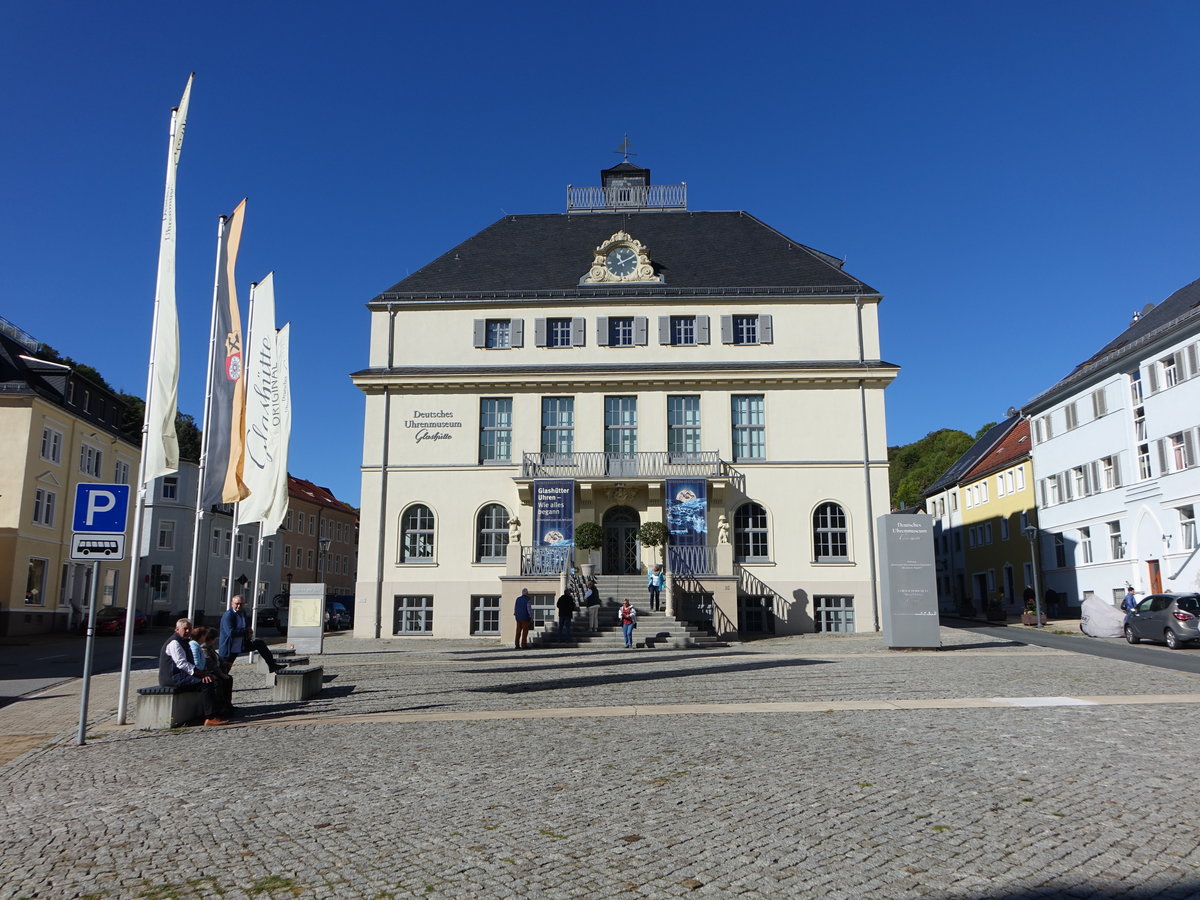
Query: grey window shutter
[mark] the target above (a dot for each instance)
(701, 329)
(480, 333)
(664, 329)
(578, 338)
(1189, 353)
(602, 331)
(639, 330)
(1065, 489)
(726, 329)
(1189, 449)
(1162, 456)
(1094, 475)
(1152, 376)
(766, 333)
(1116, 470)
(518, 332)
(539, 332)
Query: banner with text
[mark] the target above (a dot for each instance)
(553, 512)
(687, 511)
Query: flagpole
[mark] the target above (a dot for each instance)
(140, 504)
(199, 517)
(257, 571)
(232, 557)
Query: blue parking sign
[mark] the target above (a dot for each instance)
(101, 507)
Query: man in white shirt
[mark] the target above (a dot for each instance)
(177, 669)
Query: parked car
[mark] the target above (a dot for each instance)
(1172, 618)
(337, 616)
(111, 620)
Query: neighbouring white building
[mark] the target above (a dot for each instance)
(628, 361)
(1115, 459)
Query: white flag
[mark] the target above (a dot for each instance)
(161, 446)
(279, 501)
(262, 405)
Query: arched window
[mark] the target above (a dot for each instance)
(416, 534)
(491, 534)
(829, 534)
(750, 533)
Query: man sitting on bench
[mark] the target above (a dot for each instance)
(176, 669)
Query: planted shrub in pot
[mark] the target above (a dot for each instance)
(589, 537)
(653, 534)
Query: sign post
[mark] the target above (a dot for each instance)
(101, 511)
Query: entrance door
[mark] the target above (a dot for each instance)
(1155, 576)
(620, 541)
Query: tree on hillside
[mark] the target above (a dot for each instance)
(914, 467)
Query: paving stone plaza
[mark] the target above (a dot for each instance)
(793, 767)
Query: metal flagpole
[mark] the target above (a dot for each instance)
(135, 544)
(257, 571)
(212, 343)
(232, 556)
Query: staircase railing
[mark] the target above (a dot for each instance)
(692, 560)
(750, 584)
(545, 560)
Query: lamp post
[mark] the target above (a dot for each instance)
(324, 548)
(1031, 533)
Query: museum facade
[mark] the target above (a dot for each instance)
(628, 361)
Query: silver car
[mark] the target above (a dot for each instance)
(1173, 618)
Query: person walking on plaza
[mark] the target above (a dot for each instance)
(591, 602)
(237, 638)
(1129, 604)
(654, 584)
(566, 612)
(523, 612)
(176, 669)
(627, 616)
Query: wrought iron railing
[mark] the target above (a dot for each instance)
(692, 560)
(635, 196)
(545, 560)
(751, 585)
(655, 464)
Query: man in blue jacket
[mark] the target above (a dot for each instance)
(237, 638)
(523, 611)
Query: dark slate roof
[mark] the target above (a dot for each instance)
(1161, 322)
(706, 252)
(978, 450)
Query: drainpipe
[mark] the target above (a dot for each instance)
(383, 477)
(862, 403)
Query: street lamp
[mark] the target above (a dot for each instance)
(1031, 533)
(324, 542)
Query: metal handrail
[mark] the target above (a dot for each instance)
(682, 561)
(595, 464)
(545, 560)
(635, 196)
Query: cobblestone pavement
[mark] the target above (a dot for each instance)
(591, 774)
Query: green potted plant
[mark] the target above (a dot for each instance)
(589, 537)
(653, 534)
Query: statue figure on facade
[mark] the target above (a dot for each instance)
(722, 529)
(514, 530)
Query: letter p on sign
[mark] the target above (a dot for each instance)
(101, 507)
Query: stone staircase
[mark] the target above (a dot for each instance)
(654, 629)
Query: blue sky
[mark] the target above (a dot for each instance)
(1016, 178)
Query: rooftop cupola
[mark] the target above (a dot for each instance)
(626, 188)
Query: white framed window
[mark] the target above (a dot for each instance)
(561, 331)
(35, 581)
(1079, 481)
(287, 521)
(1004, 528)
(750, 533)
(269, 551)
(121, 472)
(215, 546)
(287, 556)
(308, 554)
(833, 614)
(1187, 526)
(485, 614)
(166, 535)
(1108, 473)
(749, 427)
(983, 491)
(747, 329)
(558, 426)
(1144, 468)
(1169, 371)
(44, 501)
(491, 534)
(830, 541)
(170, 487)
(417, 534)
(91, 459)
(1020, 478)
(1085, 544)
(683, 331)
(621, 331)
(52, 444)
(238, 544)
(1115, 544)
(1000, 485)
(498, 334)
(1008, 481)
(312, 525)
(1135, 387)
(683, 427)
(620, 426)
(228, 536)
(414, 614)
(495, 431)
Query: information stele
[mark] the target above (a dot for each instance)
(910, 610)
(306, 617)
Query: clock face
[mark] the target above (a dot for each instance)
(621, 261)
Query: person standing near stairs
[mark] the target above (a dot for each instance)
(523, 612)
(627, 616)
(654, 584)
(566, 612)
(591, 601)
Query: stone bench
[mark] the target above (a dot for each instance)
(168, 707)
(297, 683)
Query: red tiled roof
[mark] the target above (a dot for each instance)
(1010, 448)
(313, 493)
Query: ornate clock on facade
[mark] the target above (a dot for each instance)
(621, 258)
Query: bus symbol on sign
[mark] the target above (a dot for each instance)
(107, 547)
(89, 545)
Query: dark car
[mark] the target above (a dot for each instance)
(111, 620)
(1171, 618)
(337, 617)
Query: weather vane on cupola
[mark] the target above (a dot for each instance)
(625, 148)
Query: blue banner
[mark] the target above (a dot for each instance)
(553, 512)
(687, 511)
